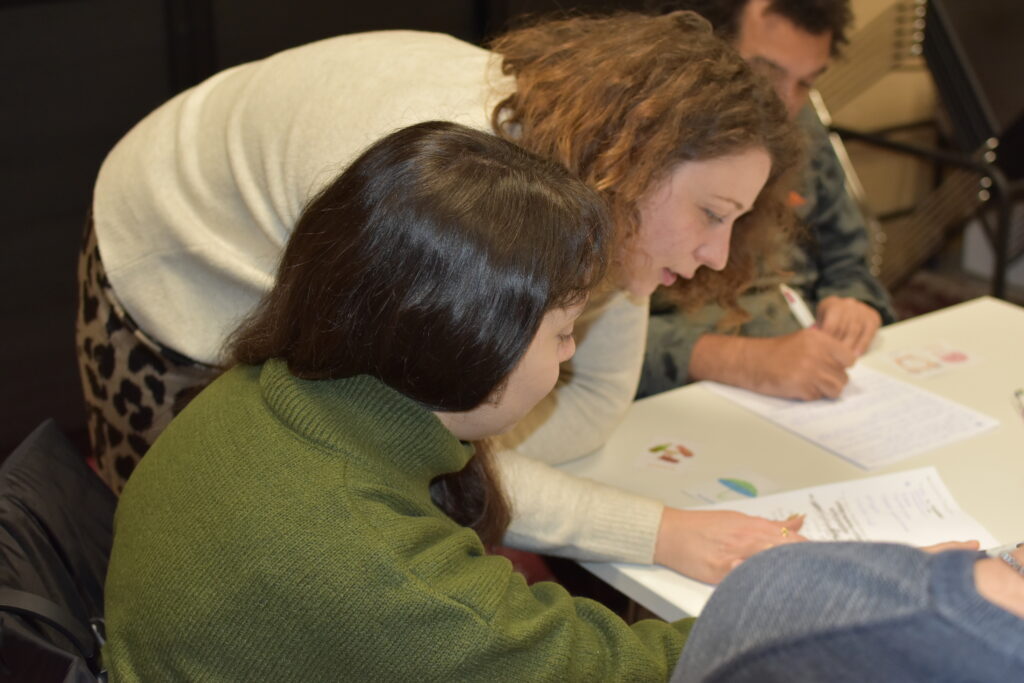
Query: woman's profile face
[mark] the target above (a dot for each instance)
(531, 380)
(686, 219)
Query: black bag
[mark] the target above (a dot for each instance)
(56, 519)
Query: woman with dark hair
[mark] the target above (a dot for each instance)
(290, 523)
(192, 210)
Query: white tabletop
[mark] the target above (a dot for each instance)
(984, 473)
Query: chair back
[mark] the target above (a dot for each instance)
(56, 530)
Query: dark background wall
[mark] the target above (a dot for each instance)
(76, 75)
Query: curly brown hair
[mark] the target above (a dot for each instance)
(622, 99)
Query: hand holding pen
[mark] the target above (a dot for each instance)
(805, 365)
(852, 322)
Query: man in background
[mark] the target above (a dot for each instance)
(791, 42)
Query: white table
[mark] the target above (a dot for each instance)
(984, 473)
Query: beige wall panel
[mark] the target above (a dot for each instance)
(899, 98)
(891, 181)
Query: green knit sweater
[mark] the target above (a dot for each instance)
(282, 529)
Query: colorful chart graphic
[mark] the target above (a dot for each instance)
(670, 452)
(744, 488)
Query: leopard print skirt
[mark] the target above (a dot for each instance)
(133, 385)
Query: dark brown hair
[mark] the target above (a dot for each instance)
(813, 16)
(622, 99)
(429, 264)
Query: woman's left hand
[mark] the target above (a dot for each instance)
(852, 322)
(708, 544)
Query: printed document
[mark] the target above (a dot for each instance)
(912, 507)
(878, 419)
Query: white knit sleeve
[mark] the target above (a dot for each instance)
(596, 388)
(559, 513)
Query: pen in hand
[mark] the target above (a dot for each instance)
(797, 306)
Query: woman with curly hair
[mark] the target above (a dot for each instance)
(192, 210)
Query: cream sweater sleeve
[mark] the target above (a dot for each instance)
(558, 513)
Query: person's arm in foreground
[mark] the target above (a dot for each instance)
(861, 611)
(557, 513)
